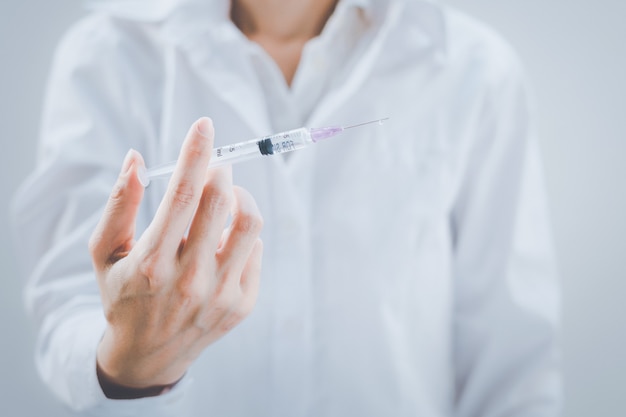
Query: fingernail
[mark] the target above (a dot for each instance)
(204, 127)
(142, 176)
(128, 161)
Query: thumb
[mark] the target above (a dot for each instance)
(113, 237)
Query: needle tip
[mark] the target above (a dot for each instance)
(379, 121)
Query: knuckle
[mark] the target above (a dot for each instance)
(110, 315)
(117, 193)
(217, 198)
(114, 313)
(183, 194)
(248, 223)
(151, 268)
(95, 244)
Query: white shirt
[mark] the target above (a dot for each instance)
(407, 270)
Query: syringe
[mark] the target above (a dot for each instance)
(276, 144)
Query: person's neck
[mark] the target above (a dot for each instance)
(282, 27)
(282, 20)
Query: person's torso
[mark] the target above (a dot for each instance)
(356, 293)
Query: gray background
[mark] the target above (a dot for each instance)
(575, 55)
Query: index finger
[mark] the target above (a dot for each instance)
(184, 189)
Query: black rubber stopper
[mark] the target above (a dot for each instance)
(266, 147)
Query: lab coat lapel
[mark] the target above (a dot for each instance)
(214, 50)
(373, 43)
(203, 33)
(387, 46)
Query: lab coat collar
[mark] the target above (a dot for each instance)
(431, 21)
(156, 10)
(203, 29)
(429, 17)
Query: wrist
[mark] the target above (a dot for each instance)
(127, 371)
(117, 391)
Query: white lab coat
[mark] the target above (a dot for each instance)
(407, 268)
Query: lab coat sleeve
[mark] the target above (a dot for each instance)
(90, 121)
(506, 318)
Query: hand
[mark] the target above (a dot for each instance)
(167, 296)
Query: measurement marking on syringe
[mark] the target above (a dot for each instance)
(284, 146)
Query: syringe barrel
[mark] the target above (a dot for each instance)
(278, 143)
(265, 146)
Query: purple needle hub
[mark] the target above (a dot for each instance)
(321, 133)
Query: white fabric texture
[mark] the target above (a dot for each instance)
(408, 268)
